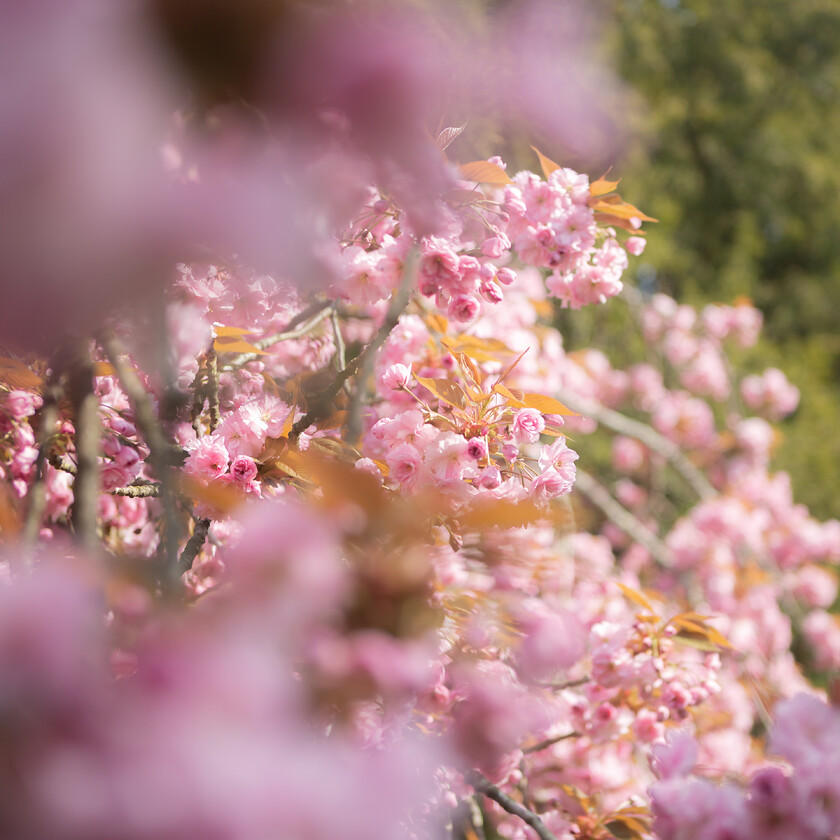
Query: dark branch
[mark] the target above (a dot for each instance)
(37, 496)
(87, 427)
(364, 361)
(491, 791)
(550, 742)
(194, 545)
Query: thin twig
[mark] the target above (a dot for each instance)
(58, 462)
(141, 488)
(620, 516)
(561, 686)
(491, 791)
(340, 350)
(322, 404)
(37, 495)
(550, 742)
(649, 436)
(302, 324)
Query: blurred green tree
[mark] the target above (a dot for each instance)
(736, 150)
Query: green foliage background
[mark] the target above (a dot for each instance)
(735, 148)
(732, 112)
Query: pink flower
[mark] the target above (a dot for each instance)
(208, 458)
(635, 245)
(477, 449)
(551, 484)
(244, 430)
(404, 464)
(676, 757)
(21, 404)
(396, 377)
(243, 469)
(527, 425)
(447, 457)
(464, 308)
(553, 640)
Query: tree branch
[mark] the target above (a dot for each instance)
(647, 435)
(367, 357)
(620, 516)
(308, 319)
(194, 545)
(550, 742)
(37, 495)
(87, 427)
(213, 386)
(491, 791)
(159, 449)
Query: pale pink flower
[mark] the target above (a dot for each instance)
(550, 484)
(676, 757)
(244, 430)
(396, 377)
(20, 404)
(447, 457)
(528, 424)
(635, 245)
(404, 465)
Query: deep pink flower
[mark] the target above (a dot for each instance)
(243, 469)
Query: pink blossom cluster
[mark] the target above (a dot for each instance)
(390, 577)
(553, 226)
(798, 799)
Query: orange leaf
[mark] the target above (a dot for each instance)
(448, 135)
(509, 369)
(502, 514)
(614, 206)
(230, 332)
(235, 345)
(222, 497)
(104, 369)
(548, 165)
(9, 514)
(636, 597)
(484, 172)
(445, 390)
(510, 396)
(627, 827)
(436, 322)
(602, 186)
(547, 405)
(16, 374)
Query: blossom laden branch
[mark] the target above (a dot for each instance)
(364, 361)
(159, 449)
(301, 325)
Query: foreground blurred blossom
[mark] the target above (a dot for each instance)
(209, 736)
(82, 111)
